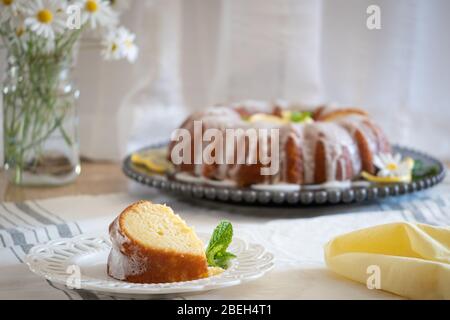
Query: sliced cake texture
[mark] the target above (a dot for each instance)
(151, 244)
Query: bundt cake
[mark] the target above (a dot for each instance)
(330, 144)
(151, 244)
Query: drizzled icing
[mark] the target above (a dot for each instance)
(185, 177)
(284, 187)
(335, 139)
(121, 265)
(289, 187)
(336, 136)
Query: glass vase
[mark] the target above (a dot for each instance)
(40, 122)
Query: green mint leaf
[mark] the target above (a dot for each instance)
(223, 260)
(421, 171)
(297, 116)
(216, 252)
(418, 167)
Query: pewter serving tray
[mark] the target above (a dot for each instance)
(352, 194)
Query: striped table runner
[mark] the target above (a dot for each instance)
(22, 225)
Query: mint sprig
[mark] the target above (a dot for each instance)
(298, 116)
(421, 171)
(216, 252)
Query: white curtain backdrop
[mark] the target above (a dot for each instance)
(195, 53)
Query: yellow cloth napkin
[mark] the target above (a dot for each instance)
(412, 260)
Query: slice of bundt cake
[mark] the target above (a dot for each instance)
(151, 244)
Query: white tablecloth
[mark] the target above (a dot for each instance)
(295, 236)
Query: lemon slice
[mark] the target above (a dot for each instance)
(377, 179)
(263, 117)
(153, 160)
(286, 115)
(410, 162)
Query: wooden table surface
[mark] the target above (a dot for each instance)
(96, 178)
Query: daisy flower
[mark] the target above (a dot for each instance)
(112, 49)
(130, 49)
(391, 165)
(46, 18)
(9, 8)
(120, 44)
(97, 13)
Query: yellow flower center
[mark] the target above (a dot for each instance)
(7, 2)
(114, 47)
(91, 6)
(392, 166)
(45, 16)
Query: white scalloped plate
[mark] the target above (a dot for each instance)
(89, 253)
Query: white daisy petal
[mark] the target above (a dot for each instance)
(383, 173)
(384, 158)
(378, 162)
(390, 158)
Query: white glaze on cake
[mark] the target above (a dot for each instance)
(337, 137)
(120, 265)
(283, 187)
(221, 183)
(186, 177)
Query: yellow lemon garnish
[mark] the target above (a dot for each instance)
(91, 5)
(372, 178)
(263, 117)
(410, 162)
(45, 16)
(153, 160)
(286, 115)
